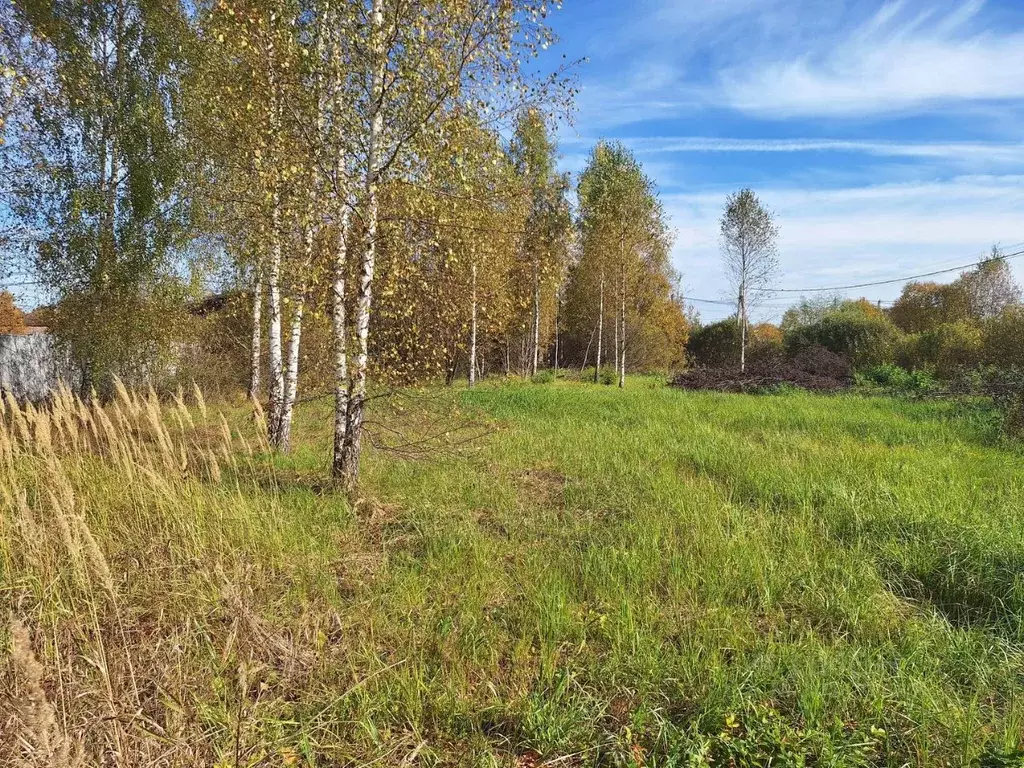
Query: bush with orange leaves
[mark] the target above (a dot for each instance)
(12, 319)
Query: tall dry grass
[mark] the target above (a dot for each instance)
(137, 540)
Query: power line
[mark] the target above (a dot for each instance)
(895, 279)
(732, 303)
(708, 301)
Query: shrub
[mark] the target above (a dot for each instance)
(861, 339)
(898, 379)
(718, 345)
(1002, 339)
(765, 343)
(950, 347)
(543, 377)
(907, 351)
(605, 376)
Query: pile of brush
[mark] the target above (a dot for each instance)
(813, 368)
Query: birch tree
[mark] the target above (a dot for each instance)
(748, 236)
(261, 121)
(621, 223)
(417, 62)
(100, 174)
(547, 226)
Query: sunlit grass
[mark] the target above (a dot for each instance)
(641, 576)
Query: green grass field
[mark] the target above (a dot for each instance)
(640, 577)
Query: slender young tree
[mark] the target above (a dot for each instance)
(621, 222)
(417, 66)
(546, 230)
(990, 286)
(749, 249)
(256, 338)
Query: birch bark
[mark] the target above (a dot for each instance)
(472, 329)
(600, 330)
(256, 342)
(349, 469)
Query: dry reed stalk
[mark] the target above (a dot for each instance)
(214, 465)
(71, 542)
(179, 405)
(44, 742)
(31, 533)
(6, 449)
(200, 400)
(18, 419)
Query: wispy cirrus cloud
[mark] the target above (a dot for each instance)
(899, 60)
(885, 135)
(991, 151)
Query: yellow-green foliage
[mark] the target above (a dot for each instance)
(946, 348)
(1004, 339)
(12, 319)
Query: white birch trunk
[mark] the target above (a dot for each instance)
(338, 322)
(622, 333)
(256, 342)
(615, 340)
(557, 302)
(600, 330)
(357, 380)
(291, 381)
(274, 346)
(274, 349)
(536, 320)
(472, 330)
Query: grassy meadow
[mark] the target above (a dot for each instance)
(541, 574)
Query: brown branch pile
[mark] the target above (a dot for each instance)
(813, 368)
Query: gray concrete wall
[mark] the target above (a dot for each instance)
(31, 365)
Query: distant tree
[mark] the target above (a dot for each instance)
(748, 242)
(990, 287)
(624, 247)
(12, 319)
(545, 242)
(925, 306)
(810, 311)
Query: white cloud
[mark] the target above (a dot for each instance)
(862, 234)
(892, 63)
(994, 152)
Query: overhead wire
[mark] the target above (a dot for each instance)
(1005, 257)
(837, 288)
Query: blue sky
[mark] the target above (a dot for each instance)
(887, 137)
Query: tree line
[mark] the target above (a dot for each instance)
(370, 186)
(945, 329)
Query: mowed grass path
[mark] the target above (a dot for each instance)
(657, 576)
